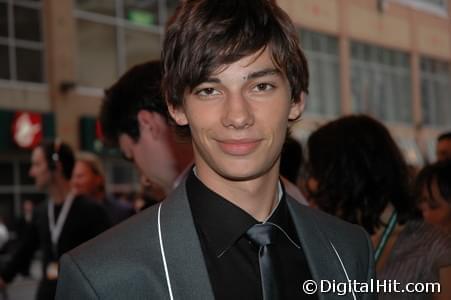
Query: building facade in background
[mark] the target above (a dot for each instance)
(387, 58)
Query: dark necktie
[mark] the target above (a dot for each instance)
(264, 236)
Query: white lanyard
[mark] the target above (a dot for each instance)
(56, 228)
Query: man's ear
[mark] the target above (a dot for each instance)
(148, 122)
(297, 107)
(178, 114)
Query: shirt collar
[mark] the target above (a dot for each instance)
(222, 222)
(280, 194)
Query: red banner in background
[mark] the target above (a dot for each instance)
(27, 129)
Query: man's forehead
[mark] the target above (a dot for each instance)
(257, 64)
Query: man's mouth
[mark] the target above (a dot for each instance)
(239, 147)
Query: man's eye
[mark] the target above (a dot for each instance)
(207, 92)
(263, 87)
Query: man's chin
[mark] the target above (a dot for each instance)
(241, 174)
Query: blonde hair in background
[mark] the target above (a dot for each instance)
(94, 163)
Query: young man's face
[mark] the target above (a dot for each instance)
(444, 150)
(39, 170)
(239, 117)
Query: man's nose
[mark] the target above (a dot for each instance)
(238, 113)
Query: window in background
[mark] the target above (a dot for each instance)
(141, 47)
(3, 20)
(380, 82)
(144, 13)
(324, 86)
(21, 41)
(435, 91)
(97, 63)
(115, 35)
(121, 176)
(435, 6)
(4, 62)
(6, 173)
(101, 7)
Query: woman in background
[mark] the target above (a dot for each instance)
(433, 187)
(358, 173)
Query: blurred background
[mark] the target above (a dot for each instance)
(390, 59)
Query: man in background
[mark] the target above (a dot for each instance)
(134, 117)
(59, 224)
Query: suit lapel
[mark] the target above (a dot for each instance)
(321, 257)
(186, 265)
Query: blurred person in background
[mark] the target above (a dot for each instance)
(88, 179)
(22, 226)
(27, 211)
(291, 160)
(433, 187)
(59, 224)
(443, 148)
(357, 172)
(134, 117)
(4, 233)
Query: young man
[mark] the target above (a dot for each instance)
(134, 117)
(234, 77)
(59, 224)
(444, 146)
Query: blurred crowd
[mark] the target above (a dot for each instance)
(351, 168)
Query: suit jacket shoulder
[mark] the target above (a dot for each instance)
(335, 249)
(123, 257)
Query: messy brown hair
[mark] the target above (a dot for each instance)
(204, 35)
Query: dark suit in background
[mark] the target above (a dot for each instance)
(116, 210)
(85, 220)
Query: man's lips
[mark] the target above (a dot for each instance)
(239, 147)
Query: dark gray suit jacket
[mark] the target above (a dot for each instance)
(157, 254)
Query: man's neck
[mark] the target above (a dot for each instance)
(179, 157)
(182, 152)
(257, 197)
(58, 191)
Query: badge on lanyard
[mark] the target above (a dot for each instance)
(52, 271)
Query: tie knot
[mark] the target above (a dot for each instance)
(262, 234)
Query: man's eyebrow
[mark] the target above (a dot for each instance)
(253, 75)
(262, 73)
(212, 80)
